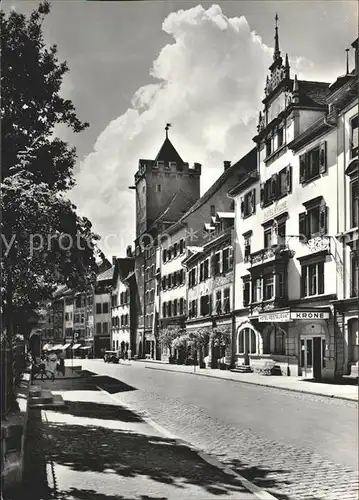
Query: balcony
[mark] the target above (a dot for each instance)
(267, 305)
(273, 253)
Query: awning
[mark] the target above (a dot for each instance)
(46, 347)
(57, 347)
(87, 347)
(66, 346)
(76, 346)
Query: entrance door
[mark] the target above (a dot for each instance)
(312, 356)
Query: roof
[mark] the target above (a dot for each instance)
(242, 167)
(168, 153)
(313, 94)
(175, 207)
(106, 275)
(123, 268)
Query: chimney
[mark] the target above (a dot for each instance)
(356, 54)
(129, 251)
(227, 164)
(114, 258)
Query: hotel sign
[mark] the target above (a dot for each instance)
(309, 315)
(275, 210)
(275, 317)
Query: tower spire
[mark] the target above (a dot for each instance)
(276, 54)
(167, 128)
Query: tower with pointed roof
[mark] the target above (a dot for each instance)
(166, 187)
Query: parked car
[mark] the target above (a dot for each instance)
(111, 357)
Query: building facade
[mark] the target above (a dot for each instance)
(287, 267)
(102, 312)
(166, 187)
(122, 328)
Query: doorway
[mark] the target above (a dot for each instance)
(312, 351)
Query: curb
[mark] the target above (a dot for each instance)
(289, 389)
(209, 459)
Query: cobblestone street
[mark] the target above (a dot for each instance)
(301, 447)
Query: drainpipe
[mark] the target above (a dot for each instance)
(234, 244)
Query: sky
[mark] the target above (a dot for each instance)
(134, 66)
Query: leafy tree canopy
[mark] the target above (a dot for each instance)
(44, 242)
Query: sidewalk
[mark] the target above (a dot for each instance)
(344, 391)
(96, 449)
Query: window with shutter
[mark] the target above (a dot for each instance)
(303, 232)
(274, 184)
(289, 179)
(323, 216)
(219, 302)
(302, 168)
(242, 208)
(323, 157)
(253, 201)
(262, 195)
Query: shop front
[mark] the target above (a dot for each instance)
(295, 342)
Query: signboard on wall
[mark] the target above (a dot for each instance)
(275, 317)
(309, 315)
(275, 210)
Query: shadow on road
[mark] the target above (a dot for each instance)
(110, 384)
(98, 411)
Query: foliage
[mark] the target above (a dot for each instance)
(44, 242)
(221, 335)
(180, 341)
(198, 338)
(168, 335)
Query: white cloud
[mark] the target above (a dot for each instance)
(209, 85)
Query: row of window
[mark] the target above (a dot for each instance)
(272, 146)
(277, 186)
(150, 273)
(173, 308)
(150, 296)
(102, 328)
(313, 163)
(120, 321)
(174, 279)
(172, 252)
(124, 299)
(81, 301)
(273, 342)
(222, 304)
(221, 262)
(102, 308)
(263, 288)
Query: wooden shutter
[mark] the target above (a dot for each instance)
(231, 258)
(274, 186)
(242, 207)
(262, 194)
(323, 219)
(323, 157)
(253, 201)
(289, 179)
(303, 225)
(302, 168)
(321, 277)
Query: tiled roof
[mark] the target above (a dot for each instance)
(168, 153)
(313, 94)
(246, 164)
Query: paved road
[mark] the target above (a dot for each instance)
(297, 446)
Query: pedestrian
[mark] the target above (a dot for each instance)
(52, 362)
(62, 363)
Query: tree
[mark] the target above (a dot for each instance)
(221, 336)
(168, 335)
(44, 242)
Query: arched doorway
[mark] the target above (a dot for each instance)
(246, 343)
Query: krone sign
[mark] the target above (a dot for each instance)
(309, 315)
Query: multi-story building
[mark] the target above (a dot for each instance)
(122, 329)
(166, 187)
(102, 316)
(79, 315)
(191, 231)
(286, 265)
(69, 317)
(343, 102)
(209, 284)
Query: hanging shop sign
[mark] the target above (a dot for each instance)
(275, 317)
(308, 315)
